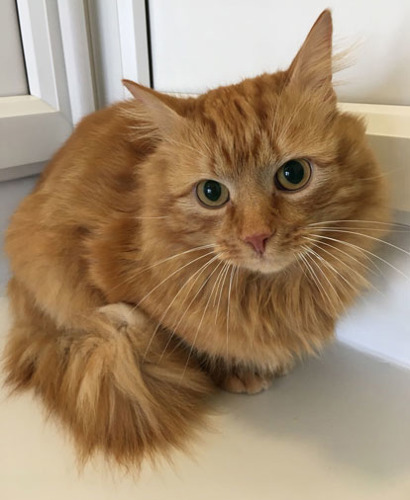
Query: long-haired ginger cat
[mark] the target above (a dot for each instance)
(172, 244)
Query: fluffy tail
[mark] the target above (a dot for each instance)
(104, 389)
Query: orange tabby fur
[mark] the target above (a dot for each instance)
(118, 323)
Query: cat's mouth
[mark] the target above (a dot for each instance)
(265, 263)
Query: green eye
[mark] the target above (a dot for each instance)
(293, 175)
(212, 194)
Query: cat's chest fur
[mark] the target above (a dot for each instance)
(219, 310)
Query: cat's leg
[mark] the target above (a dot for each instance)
(107, 381)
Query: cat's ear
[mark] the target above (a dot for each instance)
(155, 108)
(312, 66)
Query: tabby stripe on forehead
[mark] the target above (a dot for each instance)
(240, 109)
(213, 128)
(256, 143)
(226, 154)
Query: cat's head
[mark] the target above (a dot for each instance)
(255, 168)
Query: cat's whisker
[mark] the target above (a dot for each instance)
(218, 280)
(133, 276)
(297, 258)
(361, 250)
(331, 267)
(370, 237)
(382, 229)
(175, 256)
(237, 279)
(151, 217)
(346, 265)
(172, 257)
(225, 273)
(197, 274)
(369, 269)
(313, 254)
(381, 176)
(170, 276)
(321, 288)
(175, 327)
(312, 274)
(365, 253)
(196, 295)
(233, 269)
(361, 221)
(197, 331)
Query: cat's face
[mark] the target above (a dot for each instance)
(251, 183)
(251, 169)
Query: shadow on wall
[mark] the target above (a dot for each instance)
(11, 193)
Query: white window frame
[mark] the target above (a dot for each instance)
(56, 52)
(120, 46)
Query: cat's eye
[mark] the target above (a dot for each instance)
(212, 194)
(293, 175)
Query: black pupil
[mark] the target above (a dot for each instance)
(212, 190)
(294, 172)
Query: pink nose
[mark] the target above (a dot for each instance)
(258, 241)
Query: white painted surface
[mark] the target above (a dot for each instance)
(43, 51)
(30, 132)
(203, 44)
(134, 43)
(336, 428)
(119, 42)
(106, 47)
(33, 126)
(13, 77)
(77, 57)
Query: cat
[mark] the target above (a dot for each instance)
(174, 245)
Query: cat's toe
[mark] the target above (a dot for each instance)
(251, 383)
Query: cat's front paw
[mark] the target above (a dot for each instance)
(246, 382)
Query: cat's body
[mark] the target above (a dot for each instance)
(234, 289)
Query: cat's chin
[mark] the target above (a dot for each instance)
(264, 265)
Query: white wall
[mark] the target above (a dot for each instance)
(204, 43)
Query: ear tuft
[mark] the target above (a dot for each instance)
(312, 66)
(154, 109)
